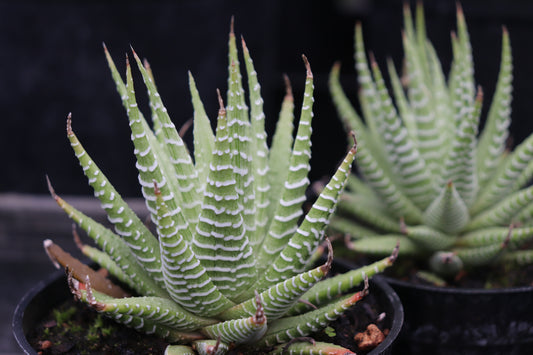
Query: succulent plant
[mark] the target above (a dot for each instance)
(231, 261)
(454, 198)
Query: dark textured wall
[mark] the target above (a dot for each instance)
(52, 63)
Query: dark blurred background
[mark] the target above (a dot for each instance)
(52, 63)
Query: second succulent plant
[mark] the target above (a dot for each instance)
(452, 195)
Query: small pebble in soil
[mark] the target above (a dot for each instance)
(370, 338)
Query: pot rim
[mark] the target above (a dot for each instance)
(459, 290)
(397, 316)
(18, 315)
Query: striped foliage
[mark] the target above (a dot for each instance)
(231, 252)
(426, 176)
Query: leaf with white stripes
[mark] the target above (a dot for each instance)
(186, 279)
(204, 139)
(220, 241)
(288, 211)
(294, 256)
(133, 231)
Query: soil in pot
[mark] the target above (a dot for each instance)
(73, 328)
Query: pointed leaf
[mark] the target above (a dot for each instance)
(158, 310)
(238, 331)
(220, 242)
(461, 163)
(240, 141)
(259, 152)
(289, 207)
(494, 136)
(503, 212)
(303, 325)
(494, 235)
(301, 246)
(356, 206)
(330, 288)
(204, 139)
(407, 163)
(281, 149)
(185, 175)
(143, 279)
(141, 241)
(516, 170)
(380, 245)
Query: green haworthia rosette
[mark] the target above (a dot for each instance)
(428, 178)
(228, 256)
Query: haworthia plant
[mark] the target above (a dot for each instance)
(229, 260)
(453, 196)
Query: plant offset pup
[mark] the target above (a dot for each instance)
(426, 178)
(232, 260)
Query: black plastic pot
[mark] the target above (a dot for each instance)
(35, 304)
(392, 306)
(465, 321)
(53, 291)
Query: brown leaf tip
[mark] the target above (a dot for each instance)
(47, 244)
(221, 108)
(288, 87)
(307, 66)
(76, 236)
(232, 26)
(51, 188)
(259, 317)
(365, 290)
(69, 124)
(157, 192)
(90, 296)
(353, 149)
(479, 95)
(146, 64)
(373, 61)
(73, 284)
(460, 13)
(243, 42)
(327, 266)
(133, 52)
(395, 252)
